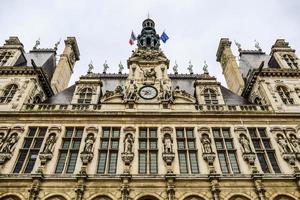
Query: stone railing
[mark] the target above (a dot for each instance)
(61, 107)
(233, 108)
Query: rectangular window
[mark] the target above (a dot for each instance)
(226, 150)
(108, 152)
(265, 154)
(68, 153)
(148, 151)
(187, 151)
(30, 150)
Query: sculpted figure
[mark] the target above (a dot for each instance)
(294, 142)
(49, 143)
(168, 144)
(283, 144)
(245, 144)
(89, 142)
(131, 91)
(166, 91)
(128, 143)
(149, 73)
(118, 90)
(10, 144)
(206, 143)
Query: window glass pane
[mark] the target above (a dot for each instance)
(262, 132)
(263, 162)
(219, 145)
(181, 144)
(79, 132)
(182, 162)
(179, 133)
(61, 162)
(114, 144)
(38, 143)
(112, 163)
(20, 161)
(233, 162)
(266, 143)
(104, 144)
(153, 162)
(194, 162)
(42, 132)
(274, 162)
(226, 133)
(256, 143)
(153, 133)
(76, 144)
(229, 144)
(101, 163)
(116, 133)
(27, 143)
(142, 162)
(191, 144)
(143, 133)
(223, 162)
(69, 132)
(153, 145)
(31, 161)
(189, 134)
(66, 144)
(72, 163)
(105, 133)
(32, 131)
(143, 145)
(216, 133)
(252, 132)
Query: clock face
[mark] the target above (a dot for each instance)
(148, 92)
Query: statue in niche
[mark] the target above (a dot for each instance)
(1, 140)
(166, 90)
(206, 143)
(10, 144)
(49, 144)
(245, 144)
(131, 91)
(283, 144)
(149, 74)
(128, 143)
(89, 142)
(168, 144)
(295, 143)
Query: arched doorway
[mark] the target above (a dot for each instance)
(283, 197)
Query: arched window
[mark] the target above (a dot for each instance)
(8, 93)
(56, 197)
(283, 197)
(102, 197)
(210, 96)
(10, 197)
(85, 95)
(238, 197)
(285, 95)
(193, 197)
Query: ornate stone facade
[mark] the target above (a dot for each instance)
(149, 134)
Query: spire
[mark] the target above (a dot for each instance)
(148, 38)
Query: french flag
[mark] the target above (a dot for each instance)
(132, 38)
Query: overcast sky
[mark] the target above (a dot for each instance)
(103, 28)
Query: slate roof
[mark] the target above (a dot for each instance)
(110, 81)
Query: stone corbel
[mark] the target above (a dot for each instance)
(208, 154)
(170, 179)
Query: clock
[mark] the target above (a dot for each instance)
(148, 92)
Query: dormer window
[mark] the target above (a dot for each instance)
(285, 95)
(85, 96)
(8, 93)
(210, 96)
(291, 61)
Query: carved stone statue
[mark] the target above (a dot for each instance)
(49, 143)
(190, 67)
(10, 144)
(89, 142)
(205, 68)
(128, 143)
(175, 68)
(105, 67)
(245, 144)
(166, 90)
(131, 91)
(91, 67)
(294, 142)
(168, 144)
(206, 143)
(121, 67)
(149, 74)
(283, 144)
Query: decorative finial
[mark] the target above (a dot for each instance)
(175, 68)
(239, 46)
(56, 44)
(37, 43)
(190, 67)
(91, 67)
(121, 67)
(105, 67)
(148, 16)
(257, 45)
(205, 68)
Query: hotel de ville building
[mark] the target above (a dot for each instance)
(149, 134)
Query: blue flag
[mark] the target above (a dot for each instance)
(164, 37)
